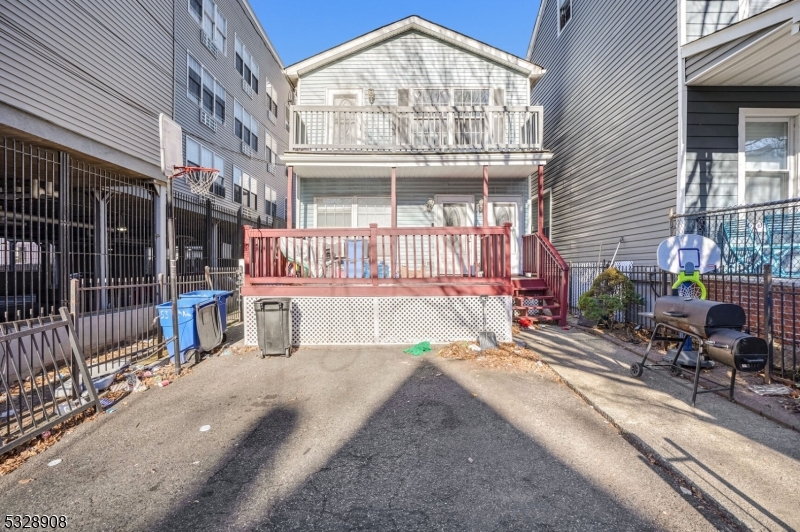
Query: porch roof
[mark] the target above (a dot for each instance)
(434, 165)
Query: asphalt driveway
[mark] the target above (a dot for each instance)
(361, 438)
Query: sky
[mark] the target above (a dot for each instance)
(300, 29)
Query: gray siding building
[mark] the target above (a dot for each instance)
(692, 108)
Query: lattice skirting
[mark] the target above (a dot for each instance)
(388, 320)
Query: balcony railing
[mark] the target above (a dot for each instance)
(408, 260)
(403, 129)
(750, 236)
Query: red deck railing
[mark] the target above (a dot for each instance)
(541, 258)
(378, 261)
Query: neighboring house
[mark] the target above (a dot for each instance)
(231, 100)
(688, 106)
(427, 135)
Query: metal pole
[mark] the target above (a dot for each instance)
(173, 277)
(768, 321)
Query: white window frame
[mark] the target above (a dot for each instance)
(249, 124)
(215, 157)
(251, 187)
(217, 13)
(353, 207)
(560, 3)
(252, 64)
(754, 114)
(271, 99)
(216, 84)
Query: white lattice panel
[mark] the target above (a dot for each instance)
(384, 320)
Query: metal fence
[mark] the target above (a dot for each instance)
(42, 371)
(750, 236)
(772, 305)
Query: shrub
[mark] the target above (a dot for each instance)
(611, 292)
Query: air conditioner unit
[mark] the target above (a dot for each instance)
(207, 120)
(247, 150)
(247, 88)
(209, 43)
(271, 168)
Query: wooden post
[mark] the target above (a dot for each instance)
(393, 248)
(540, 199)
(373, 253)
(486, 196)
(289, 199)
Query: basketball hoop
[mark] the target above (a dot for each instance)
(198, 178)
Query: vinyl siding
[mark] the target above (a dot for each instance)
(707, 16)
(99, 69)
(611, 120)
(224, 142)
(712, 139)
(411, 195)
(407, 61)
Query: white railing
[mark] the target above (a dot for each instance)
(378, 128)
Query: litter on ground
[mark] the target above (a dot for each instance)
(205, 428)
(507, 355)
(53, 463)
(770, 389)
(419, 349)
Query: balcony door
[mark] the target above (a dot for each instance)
(503, 210)
(343, 127)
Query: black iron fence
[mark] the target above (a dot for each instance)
(772, 305)
(750, 235)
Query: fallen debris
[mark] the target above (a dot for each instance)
(205, 428)
(53, 463)
(507, 355)
(419, 349)
(770, 389)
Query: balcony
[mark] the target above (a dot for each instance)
(415, 129)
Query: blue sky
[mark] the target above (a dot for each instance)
(299, 29)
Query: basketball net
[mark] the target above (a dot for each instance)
(198, 178)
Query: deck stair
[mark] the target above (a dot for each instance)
(533, 299)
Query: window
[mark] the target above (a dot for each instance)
(564, 14)
(270, 202)
(208, 15)
(204, 89)
(245, 126)
(353, 212)
(246, 65)
(199, 155)
(768, 154)
(470, 125)
(287, 113)
(245, 189)
(470, 97)
(272, 102)
(431, 97)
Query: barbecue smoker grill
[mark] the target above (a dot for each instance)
(716, 327)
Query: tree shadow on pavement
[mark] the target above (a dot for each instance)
(432, 457)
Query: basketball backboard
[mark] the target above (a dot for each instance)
(171, 144)
(676, 251)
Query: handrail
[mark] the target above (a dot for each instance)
(542, 259)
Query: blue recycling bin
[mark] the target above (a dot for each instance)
(222, 302)
(187, 324)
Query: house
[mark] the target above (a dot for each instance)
(83, 195)
(231, 100)
(413, 161)
(687, 107)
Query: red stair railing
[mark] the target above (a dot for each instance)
(539, 257)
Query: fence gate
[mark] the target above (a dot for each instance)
(43, 378)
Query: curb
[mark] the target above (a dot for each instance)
(755, 410)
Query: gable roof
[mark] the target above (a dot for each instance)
(417, 24)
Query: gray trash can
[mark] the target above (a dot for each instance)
(274, 325)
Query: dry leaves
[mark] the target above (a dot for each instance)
(507, 356)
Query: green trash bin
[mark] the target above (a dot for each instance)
(274, 326)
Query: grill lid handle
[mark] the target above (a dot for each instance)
(675, 314)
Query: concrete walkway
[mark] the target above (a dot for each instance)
(352, 439)
(744, 463)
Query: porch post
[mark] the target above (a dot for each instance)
(394, 196)
(540, 189)
(289, 198)
(485, 195)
